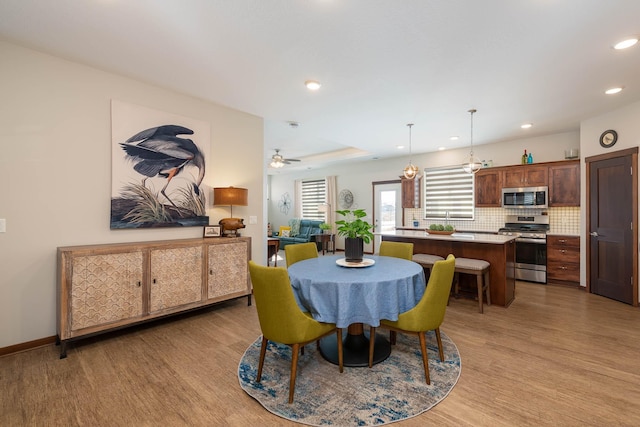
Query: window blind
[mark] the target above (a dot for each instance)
(313, 195)
(448, 191)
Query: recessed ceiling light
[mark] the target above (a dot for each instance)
(526, 125)
(399, 147)
(312, 84)
(454, 138)
(613, 90)
(442, 148)
(626, 43)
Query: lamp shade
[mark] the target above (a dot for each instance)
(230, 196)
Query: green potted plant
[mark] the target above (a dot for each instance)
(356, 232)
(325, 227)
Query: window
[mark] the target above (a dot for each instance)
(313, 195)
(448, 191)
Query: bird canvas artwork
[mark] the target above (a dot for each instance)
(158, 171)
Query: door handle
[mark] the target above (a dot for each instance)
(594, 234)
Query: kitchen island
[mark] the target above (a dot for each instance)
(498, 250)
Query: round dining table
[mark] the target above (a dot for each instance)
(351, 295)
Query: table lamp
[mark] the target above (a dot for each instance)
(230, 196)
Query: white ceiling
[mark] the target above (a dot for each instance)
(382, 63)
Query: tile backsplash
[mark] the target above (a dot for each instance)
(561, 220)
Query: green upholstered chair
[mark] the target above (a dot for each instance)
(397, 249)
(300, 252)
(427, 315)
(281, 320)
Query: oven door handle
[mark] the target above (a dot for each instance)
(527, 240)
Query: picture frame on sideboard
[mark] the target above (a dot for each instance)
(212, 231)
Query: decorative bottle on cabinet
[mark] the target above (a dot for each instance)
(530, 158)
(524, 158)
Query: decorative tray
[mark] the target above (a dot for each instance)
(366, 262)
(445, 233)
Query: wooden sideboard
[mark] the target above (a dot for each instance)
(110, 286)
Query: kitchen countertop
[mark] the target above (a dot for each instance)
(458, 231)
(455, 237)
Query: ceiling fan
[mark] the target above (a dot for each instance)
(277, 161)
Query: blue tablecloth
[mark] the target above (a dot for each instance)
(344, 295)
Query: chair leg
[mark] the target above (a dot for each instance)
(294, 370)
(487, 285)
(392, 337)
(456, 286)
(480, 296)
(372, 344)
(440, 350)
(425, 359)
(340, 358)
(263, 352)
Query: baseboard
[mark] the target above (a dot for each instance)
(27, 345)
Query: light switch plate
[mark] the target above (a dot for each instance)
(3, 225)
(253, 219)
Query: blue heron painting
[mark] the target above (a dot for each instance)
(159, 152)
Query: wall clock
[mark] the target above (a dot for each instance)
(608, 138)
(345, 198)
(285, 203)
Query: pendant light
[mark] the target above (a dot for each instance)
(473, 165)
(411, 170)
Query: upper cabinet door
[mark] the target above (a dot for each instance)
(564, 184)
(525, 176)
(411, 197)
(488, 188)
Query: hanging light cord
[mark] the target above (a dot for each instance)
(410, 152)
(472, 111)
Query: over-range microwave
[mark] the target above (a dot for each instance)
(525, 197)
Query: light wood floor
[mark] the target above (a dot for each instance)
(558, 357)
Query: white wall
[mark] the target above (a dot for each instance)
(626, 122)
(55, 174)
(358, 177)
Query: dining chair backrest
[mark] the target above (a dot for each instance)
(428, 314)
(397, 249)
(281, 319)
(299, 252)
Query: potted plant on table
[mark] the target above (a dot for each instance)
(356, 232)
(325, 227)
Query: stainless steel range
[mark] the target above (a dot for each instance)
(531, 245)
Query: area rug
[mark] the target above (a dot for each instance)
(393, 390)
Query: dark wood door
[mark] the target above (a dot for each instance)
(611, 228)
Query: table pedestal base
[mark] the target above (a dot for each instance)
(355, 348)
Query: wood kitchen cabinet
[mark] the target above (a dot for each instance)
(525, 176)
(110, 286)
(488, 188)
(563, 259)
(564, 184)
(411, 197)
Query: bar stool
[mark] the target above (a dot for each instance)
(426, 260)
(478, 268)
